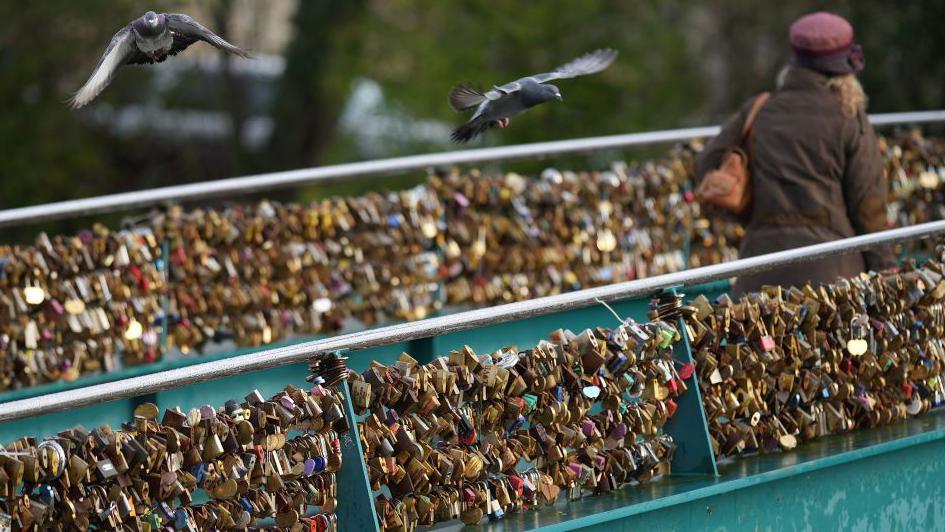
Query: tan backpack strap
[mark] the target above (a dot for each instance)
(752, 114)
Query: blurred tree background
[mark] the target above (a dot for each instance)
(344, 81)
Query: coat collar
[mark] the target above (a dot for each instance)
(803, 79)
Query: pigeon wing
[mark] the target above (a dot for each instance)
(121, 50)
(187, 31)
(499, 91)
(464, 97)
(590, 63)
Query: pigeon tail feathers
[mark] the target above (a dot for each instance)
(464, 97)
(470, 130)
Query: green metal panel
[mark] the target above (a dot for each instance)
(218, 391)
(528, 332)
(388, 354)
(215, 392)
(888, 478)
(113, 413)
(354, 484)
(269, 381)
(689, 427)
(893, 491)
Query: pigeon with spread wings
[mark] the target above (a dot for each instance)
(495, 107)
(147, 40)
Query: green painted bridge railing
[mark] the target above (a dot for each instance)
(887, 478)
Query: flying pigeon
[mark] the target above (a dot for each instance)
(147, 40)
(495, 107)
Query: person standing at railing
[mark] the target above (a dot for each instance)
(816, 172)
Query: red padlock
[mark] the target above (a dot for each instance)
(907, 388)
(686, 370)
(671, 407)
(517, 484)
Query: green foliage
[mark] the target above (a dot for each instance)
(682, 63)
(46, 148)
(47, 49)
(418, 50)
(308, 104)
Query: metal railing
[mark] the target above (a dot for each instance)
(156, 382)
(271, 358)
(343, 172)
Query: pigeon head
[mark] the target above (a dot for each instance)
(150, 25)
(555, 93)
(536, 93)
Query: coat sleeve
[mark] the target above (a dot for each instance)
(865, 189)
(730, 135)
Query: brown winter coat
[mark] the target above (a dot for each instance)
(817, 176)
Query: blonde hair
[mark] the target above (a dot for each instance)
(852, 97)
(846, 86)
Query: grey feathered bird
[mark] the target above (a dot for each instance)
(147, 40)
(495, 107)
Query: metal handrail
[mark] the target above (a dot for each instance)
(270, 358)
(343, 172)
